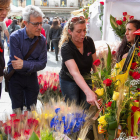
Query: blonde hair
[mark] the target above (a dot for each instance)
(65, 34)
(5, 3)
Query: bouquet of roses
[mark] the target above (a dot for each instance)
(106, 91)
(49, 86)
(119, 24)
(115, 100)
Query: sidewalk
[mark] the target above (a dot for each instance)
(5, 102)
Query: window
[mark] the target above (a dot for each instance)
(63, 3)
(15, 2)
(28, 2)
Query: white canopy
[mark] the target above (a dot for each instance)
(15, 11)
(116, 9)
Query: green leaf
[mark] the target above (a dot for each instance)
(113, 22)
(113, 125)
(34, 136)
(109, 61)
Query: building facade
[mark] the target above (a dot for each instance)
(52, 8)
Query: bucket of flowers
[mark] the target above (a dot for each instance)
(49, 86)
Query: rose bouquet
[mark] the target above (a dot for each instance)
(49, 86)
(114, 96)
(119, 24)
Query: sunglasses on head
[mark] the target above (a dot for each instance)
(75, 19)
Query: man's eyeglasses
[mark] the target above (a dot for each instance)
(36, 24)
(7, 9)
(75, 19)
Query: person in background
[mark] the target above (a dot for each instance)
(63, 23)
(129, 39)
(24, 82)
(78, 54)
(47, 27)
(13, 27)
(4, 31)
(4, 9)
(54, 34)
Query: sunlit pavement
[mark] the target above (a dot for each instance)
(5, 102)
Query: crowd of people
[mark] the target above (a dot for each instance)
(28, 54)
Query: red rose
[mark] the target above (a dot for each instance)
(136, 75)
(16, 135)
(108, 104)
(124, 18)
(1, 50)
(138, 89)
(102, 2)
(131, 17)
(7, 130)
(42, 91)
(27, 132)
(113, 52)
(139, 54)
(134, 65)
(13, 116)
(119, 22)
(124, 13)
(107, 82)
(130, 73)
(54, 88)
(97, 62)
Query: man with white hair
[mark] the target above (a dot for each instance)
(24, 82)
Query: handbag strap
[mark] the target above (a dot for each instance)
(25, 58)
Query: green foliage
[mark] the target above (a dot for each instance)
(46, 135)
(34, 136)
(118, 29)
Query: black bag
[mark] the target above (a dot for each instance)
(7, 75)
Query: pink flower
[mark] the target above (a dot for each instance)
(131, 17)
(119, 22)
(124, 13)
(102, 2)
(124, 18)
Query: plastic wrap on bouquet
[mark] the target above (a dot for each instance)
(133, 119)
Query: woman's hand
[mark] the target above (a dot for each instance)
(92, 99)
(124, 56)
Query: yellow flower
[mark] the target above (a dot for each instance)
(100, 91)
(79, 139)
(102, 120)
(35, 114)
(115, 95)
